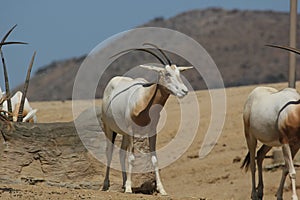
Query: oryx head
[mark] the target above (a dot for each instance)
(169, 74)
(170, 78)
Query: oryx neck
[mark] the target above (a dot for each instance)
(161, 95)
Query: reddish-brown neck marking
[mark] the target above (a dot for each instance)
(290, 128)
(159, 96)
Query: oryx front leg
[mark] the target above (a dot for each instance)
(279, 193)
(285, 172)
(292, 172)
(131, 159)
(159, 186)
(260, 158)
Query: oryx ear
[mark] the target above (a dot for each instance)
(183, 68)
(152, 68)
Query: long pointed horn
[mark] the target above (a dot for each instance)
(145, 50)
(8, 43)
(20, 114)
(7, 34)
(161, 51)
(297, 51)
(7, 90)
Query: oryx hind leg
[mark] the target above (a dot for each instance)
(264, 149)
(123, 153)
(110, 140)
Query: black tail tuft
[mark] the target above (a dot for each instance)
(246, 162)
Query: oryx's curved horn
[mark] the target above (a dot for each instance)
(8, 43)
(297, 51)
(7, 90)
(20, 113)
(7, 34)
(161, 51)
(139, 49)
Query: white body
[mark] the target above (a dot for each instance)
(113, 104)
(264, 104)
(132, 107)
(29, 114)
(263, 122)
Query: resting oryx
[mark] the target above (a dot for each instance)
(15, 108)
(273, 118)
(132, 106)
(29, 114)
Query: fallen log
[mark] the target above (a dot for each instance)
(51, 153)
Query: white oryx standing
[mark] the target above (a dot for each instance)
(273, 118)
(132, 107)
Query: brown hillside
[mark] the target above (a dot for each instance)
(235, 40)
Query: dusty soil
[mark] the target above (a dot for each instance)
(218, 176)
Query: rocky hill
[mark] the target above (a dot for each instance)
(234, 39)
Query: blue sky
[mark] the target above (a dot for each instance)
(59, 29)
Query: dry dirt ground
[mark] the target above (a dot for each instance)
(217, 176)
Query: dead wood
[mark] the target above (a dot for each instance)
(53, 154)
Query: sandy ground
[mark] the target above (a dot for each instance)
(217, 176)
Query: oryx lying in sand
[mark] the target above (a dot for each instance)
(15, 108)
(132, 106)
(29, 114)
(273, 118)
